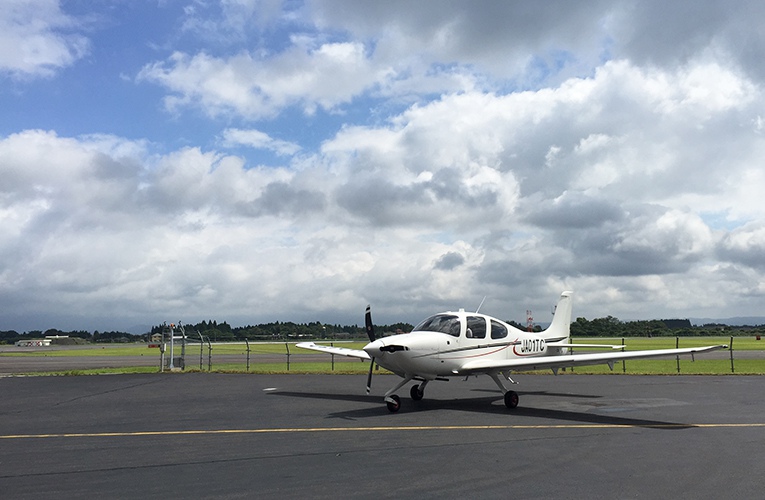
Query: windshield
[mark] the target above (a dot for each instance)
(444, 323)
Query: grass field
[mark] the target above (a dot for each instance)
(641, 343)
(631, 344)
(343, 365)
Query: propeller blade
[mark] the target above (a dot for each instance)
(371, 335)
(370, 327)
(369, 377)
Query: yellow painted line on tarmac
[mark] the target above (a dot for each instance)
(377, 429)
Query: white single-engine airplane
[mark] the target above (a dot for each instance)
(462, 343)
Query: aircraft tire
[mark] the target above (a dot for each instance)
(416, 393)
(394, 406)
(511, 399)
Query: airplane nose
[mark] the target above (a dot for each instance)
(378, 347)
(373, 348)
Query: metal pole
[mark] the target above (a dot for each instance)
(624, 362)
(288, 355)
(209, 355)
(172, 336)
(201, 349)
(162, 354)
(677, 346)
(248, 353)
(731, 355)
(183, 346)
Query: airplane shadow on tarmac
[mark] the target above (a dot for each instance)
(486, 405)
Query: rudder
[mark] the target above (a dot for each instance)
(560, 328)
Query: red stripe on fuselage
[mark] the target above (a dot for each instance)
(477, 355)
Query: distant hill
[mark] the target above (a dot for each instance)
(736, 321)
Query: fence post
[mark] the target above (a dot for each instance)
(677, 346)
(201, 349)
(162, 355)
(246, 341)
(288, 355)
(624, 361)
(209, 355)
(731, 355)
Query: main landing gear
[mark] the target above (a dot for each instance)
(511, 399)
(417, 392)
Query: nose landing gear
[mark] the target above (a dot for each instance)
(393, 402)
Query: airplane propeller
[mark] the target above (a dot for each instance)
(371, 335)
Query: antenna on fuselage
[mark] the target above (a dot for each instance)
(479, 305)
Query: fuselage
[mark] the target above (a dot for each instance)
(441, 344)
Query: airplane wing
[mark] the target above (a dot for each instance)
(341, 351)
(587, 346)
(566, 360)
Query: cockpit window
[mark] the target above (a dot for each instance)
(498, 330)
(443, 323)
(476, 327)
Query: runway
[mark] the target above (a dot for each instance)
(286, 436)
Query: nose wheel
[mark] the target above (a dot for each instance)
(393, 402)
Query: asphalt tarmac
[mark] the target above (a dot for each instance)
(200, 435)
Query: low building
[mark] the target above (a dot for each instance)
(33, 343)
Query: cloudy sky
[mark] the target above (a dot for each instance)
(257, 160)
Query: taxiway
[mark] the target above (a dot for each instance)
(288, 436)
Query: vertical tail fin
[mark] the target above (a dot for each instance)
(560, 328)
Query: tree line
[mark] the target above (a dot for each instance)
(283, 330)
(287, 330)
(612, 327)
